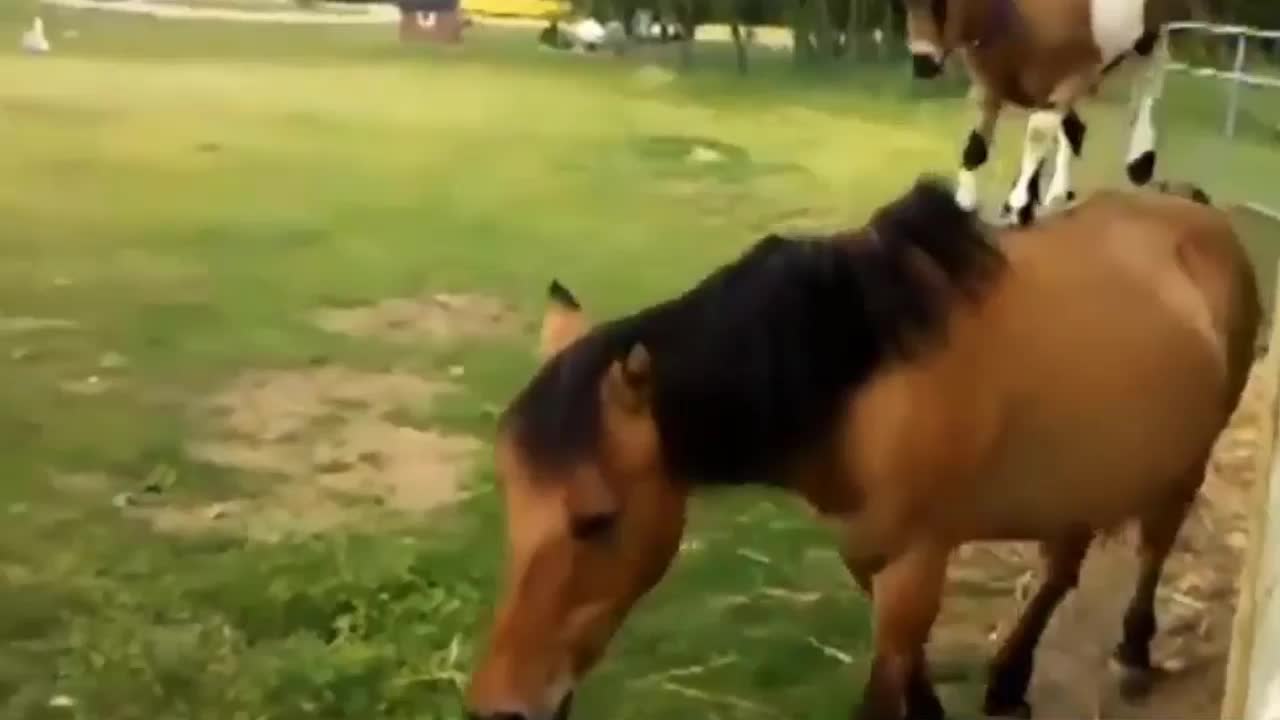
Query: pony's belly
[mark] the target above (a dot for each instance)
(1103, 468)
(1114, 385)
(1055, 503)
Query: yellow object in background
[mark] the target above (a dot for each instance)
(545, 9)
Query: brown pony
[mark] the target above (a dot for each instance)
(1046, 56)
(922, 382)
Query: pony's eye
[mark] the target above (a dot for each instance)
(592, 527)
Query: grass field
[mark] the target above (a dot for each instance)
(180, 198)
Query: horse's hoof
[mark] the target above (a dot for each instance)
(1020, 217)
(1142, 168)
(1020, 710)
(1133, 682)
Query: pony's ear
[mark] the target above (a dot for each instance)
(563, 322)
(629, 380)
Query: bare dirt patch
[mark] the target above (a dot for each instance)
(438, 316)
(327, 435)
(988, 584)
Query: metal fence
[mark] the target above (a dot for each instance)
(1237, 79)
(1252, 680)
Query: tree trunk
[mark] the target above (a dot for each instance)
(851, 29)
(739, 44)
(687, 28)
(801, 31)
(1208, 47)
(820, 12)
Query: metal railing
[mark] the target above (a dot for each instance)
(1237, 77)
(1252, 675)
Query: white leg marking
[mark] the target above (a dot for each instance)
(1147, 87)
(1042, 127)
(1061, 187)
(1143, 138)
(1147, 84)
(926, 48)
(967, 190)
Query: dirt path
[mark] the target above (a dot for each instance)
(1195, 606)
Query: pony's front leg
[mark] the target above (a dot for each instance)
(906, 595)
(1043, 128)
(976, 151)
(1070, 146)
(922, 702)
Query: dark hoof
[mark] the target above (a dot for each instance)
(925, 67)
(1021, 217)
(1134, 682)
(1020, 709)
(1026, 215)
(1141, 169)
(926, 707)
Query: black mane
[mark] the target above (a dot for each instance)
(753, 364)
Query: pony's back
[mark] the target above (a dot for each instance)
(1110, 357)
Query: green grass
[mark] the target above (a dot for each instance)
(188, 193)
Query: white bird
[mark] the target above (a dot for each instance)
(34, 40)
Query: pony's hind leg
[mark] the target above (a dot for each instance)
(1158, 529)
(906, 595)
(1140, 163)
(1012, 667)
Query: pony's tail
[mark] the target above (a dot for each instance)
(1187, 190)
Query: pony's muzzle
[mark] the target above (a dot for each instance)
(925, 67)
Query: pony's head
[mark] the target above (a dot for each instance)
(928, 35)
(592, 519)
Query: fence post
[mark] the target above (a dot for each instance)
(1237, 77)
(1244, 625)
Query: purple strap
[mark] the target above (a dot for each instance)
(1005, 20)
